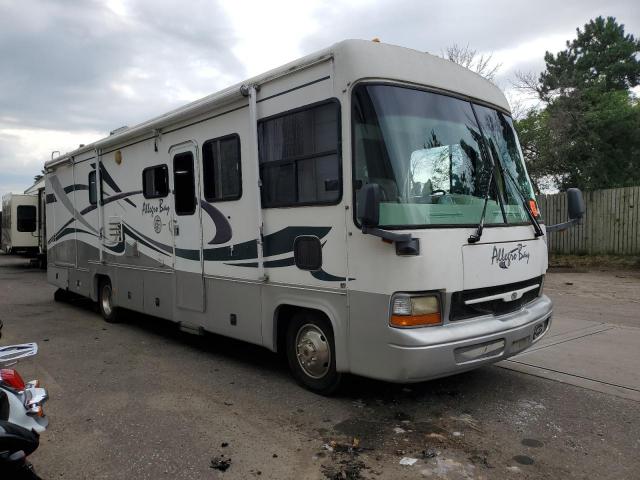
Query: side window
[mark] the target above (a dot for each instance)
(93, 196)
(184, 184)
(26, 221)
(155, 181)
(300, 157)
(221, 169)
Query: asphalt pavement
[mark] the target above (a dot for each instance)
(595, 339)
(142, 400)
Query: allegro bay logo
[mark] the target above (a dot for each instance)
(504, 259)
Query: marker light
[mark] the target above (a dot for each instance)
(12, 378)
(415, 311)
(533, 206)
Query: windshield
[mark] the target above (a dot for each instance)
(427, 153)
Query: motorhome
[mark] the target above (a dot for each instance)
(365, 209)
(19, 223)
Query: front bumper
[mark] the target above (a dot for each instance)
(418, 354)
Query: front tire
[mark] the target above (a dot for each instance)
(109, 311)
(311, 353)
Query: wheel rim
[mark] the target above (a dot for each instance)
(313, 351)
(106, 300)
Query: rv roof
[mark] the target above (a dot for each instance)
(355, 59)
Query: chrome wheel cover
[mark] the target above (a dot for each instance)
(313, 351)
(106, 300)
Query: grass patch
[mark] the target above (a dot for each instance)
(603, 262)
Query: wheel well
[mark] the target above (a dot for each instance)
(284, 314)
(97, 280)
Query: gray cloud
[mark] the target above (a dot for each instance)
(79, 65)
(486, 26)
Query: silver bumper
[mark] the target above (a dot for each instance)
(418, 354)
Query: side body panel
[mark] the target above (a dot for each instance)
(155, 271)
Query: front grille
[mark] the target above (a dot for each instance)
(460, 311)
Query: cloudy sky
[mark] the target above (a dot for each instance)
(71, 70)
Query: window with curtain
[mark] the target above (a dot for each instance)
(300, 157)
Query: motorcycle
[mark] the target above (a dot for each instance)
(22, 417)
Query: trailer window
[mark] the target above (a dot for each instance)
(221, 169)
(300, 157)
(26, 221)
(184, 184)
(155, 181)
(93, 196)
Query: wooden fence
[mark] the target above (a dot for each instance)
(611, 224)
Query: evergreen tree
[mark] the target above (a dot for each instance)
(588, 134)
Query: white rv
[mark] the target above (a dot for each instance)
(19, 223)
(365, 209)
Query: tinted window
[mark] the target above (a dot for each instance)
(155, 182)
(26, 218)
(93, 196)
(184, 184)
(221, 169)
(300, 157)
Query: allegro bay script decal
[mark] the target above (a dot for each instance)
(504, 259)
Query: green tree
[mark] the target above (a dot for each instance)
(588, 132)
(600, 56)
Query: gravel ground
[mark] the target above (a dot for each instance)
(141, 400)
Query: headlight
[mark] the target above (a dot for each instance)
(415, 310)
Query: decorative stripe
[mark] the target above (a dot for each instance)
(106, 177)
(283, 262)
(223, 227)
(59, 192)
(69, 231)
(187, 253)
(327, 277)
(120, 196)
(74, 187)
(140, 236)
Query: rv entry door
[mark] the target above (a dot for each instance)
(187, 226)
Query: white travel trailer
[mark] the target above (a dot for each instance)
(19, 223)
(37, 189)
(332, 209)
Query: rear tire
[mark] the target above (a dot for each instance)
(311, 353)
(109, 312)
(61, 295)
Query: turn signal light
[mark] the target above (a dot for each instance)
(12, 378)
(415, 311)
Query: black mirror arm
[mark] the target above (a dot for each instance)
(386, 235)
(558, 227)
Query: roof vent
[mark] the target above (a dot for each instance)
(118, 130)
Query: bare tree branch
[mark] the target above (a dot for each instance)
(469, 58)
(529, 85)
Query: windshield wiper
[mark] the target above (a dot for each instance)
(532, 218)
(475, 237)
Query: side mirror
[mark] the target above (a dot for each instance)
(575, 203)
(369, 205)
